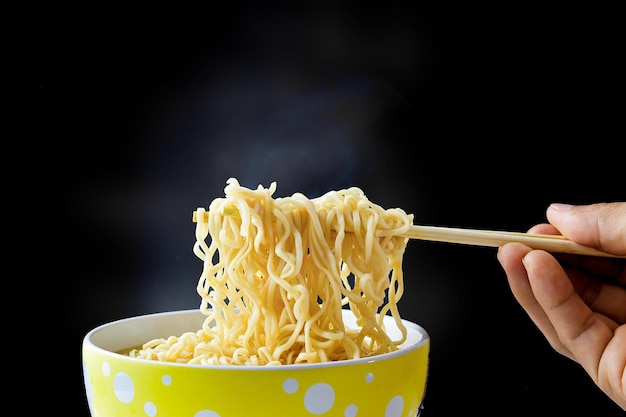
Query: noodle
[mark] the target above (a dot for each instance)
(278, 273)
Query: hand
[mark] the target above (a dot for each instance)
(578, 302)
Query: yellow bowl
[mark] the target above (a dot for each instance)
(387, 385)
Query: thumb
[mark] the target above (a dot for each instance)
(601, 225)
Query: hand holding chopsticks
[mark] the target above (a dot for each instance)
(579, 307)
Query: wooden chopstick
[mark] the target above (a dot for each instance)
(492, 238)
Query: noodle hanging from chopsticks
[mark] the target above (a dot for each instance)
(278, 273)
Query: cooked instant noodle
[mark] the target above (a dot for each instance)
(278, 273)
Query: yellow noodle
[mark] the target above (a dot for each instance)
(278, 273)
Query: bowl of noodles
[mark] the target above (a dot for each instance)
(390, 384)
(298, 316)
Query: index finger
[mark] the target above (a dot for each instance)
(611, 270)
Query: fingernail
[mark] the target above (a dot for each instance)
(561, 206)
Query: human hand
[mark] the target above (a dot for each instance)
(578, 302)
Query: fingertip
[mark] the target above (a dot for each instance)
(530, 257)
(543, 229)
(560, 207)
(499, 254)
(525, 261)
(558, 216)
(511, 253)
(537, 259)
(502, 252)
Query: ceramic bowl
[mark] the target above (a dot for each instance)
(387, 385)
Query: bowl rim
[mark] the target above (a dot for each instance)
(88, 342)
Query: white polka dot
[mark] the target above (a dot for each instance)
(395, 407)
(319, 398)
(88, 387)
(206, 413)
(350, 411)
(290, 385)
(150, 409)
(369, 377)
(123, 387)
(166, 380)
(106, 369)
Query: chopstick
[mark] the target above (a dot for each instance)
(491, 238)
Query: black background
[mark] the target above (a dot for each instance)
(465, 115)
